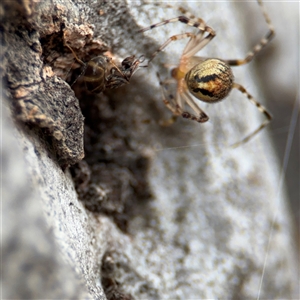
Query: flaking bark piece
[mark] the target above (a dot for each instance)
(41, 99)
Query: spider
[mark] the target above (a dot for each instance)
(207, 79)
(102, 73)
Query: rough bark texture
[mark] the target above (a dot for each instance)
(151, 212)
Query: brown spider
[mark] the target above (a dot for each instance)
(102, 73)
(208, 79)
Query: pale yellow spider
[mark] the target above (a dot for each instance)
(207, 79)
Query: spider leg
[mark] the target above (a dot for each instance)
(168, 99)
(175, 105)
(169, 40)
(80, 61)
(188, 13)
(180, 8)
(261, 108)
(196, 43)
(259, 46)
(76, 57)
(182, 19)
(201, 116)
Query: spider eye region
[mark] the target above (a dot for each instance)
(210, 81)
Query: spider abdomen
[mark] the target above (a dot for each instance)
(95, 74)
(210, 80)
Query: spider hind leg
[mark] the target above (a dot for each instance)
(260, 107)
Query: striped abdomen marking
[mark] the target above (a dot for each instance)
(210, 80)
(95, 74)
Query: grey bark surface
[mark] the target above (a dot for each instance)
(151, 212)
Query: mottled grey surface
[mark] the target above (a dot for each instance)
(208, 232)
(35, 245)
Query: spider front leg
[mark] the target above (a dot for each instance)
(196, 42)
(261, 108)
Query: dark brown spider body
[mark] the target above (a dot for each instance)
(95, 74)
(210, 81)
(122, 75)
(102, 73)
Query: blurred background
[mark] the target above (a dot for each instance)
(278, 65)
